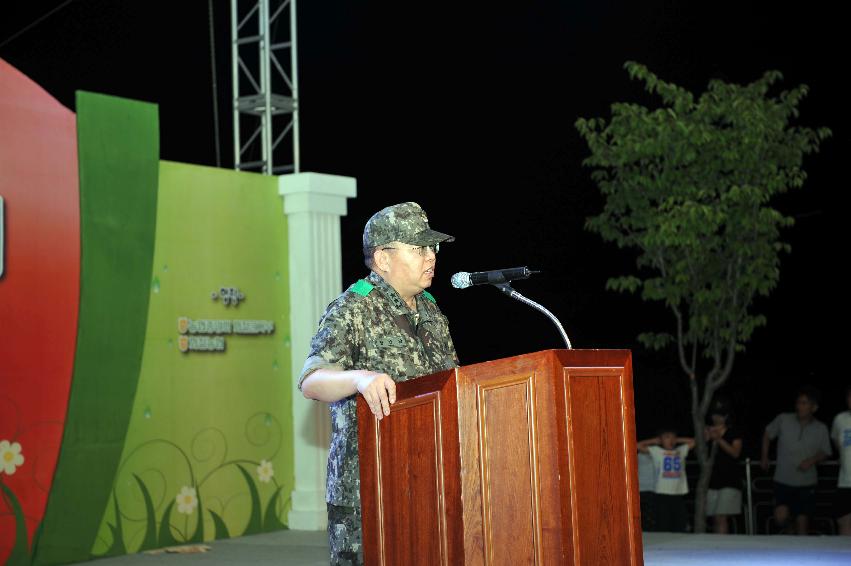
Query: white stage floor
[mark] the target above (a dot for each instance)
(668, 549)
(302, 548)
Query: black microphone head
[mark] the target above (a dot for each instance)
(461, 280)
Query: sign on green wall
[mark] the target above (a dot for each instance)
(207, 453)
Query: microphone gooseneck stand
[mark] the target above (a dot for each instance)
(507, 289)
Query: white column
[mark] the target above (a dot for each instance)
(313, 204)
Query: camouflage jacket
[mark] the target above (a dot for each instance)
(370, 327)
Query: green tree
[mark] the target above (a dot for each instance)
(689, 186)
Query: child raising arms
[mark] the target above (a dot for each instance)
(669, 454)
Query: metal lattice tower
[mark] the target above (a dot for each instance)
(265, 86)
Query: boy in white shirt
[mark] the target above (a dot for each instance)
(840, 432)
(647, 491)
(669, 457)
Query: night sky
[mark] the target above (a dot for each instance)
(469, 110)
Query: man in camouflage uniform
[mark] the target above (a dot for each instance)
(382, 329)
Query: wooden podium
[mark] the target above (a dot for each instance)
(524, 460)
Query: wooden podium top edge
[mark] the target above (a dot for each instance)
(583, 358)
(585, 353)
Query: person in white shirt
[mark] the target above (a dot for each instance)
(669, 457)
(840, 432)
(647, 491)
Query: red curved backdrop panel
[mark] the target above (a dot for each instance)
(39, 296)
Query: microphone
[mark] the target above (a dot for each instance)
(500, 278)
(462, 280)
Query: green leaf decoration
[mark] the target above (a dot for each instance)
(115, 535)
(20, 555)
(36, 538)
(271, 521)
(254, 522)
(166, 538)
(150, 540)
(198, 536)
(221, 527)
(117, 548)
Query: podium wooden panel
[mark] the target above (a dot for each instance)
(524, 460)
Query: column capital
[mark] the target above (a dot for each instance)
(316, 192)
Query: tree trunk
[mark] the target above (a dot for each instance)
(701, 490)
(705, 457)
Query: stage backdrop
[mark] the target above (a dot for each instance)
(206, 454)
(39, 294)
(171, 282)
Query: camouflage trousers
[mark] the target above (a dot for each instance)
(344, 535)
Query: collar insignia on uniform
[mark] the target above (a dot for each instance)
(429, 296)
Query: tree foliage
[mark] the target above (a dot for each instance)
(689, 186)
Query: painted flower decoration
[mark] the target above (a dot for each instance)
(187, 500)
(265, 471)
(10, 457)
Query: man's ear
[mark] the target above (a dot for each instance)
(381, 259)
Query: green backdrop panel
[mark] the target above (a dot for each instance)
(118, 148)
(208, 450)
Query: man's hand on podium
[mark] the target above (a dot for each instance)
(330, 385)
(379, 390)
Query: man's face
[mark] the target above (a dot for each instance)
(407, 271)
(719, 420)
(805, 407)
(669, 440)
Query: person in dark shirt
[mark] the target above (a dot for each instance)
(724, 498)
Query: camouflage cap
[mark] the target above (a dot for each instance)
(406, 222)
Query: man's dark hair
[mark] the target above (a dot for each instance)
(721, 406)
(810, 393)
(368, 254)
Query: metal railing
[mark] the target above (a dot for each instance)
(758, 495)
